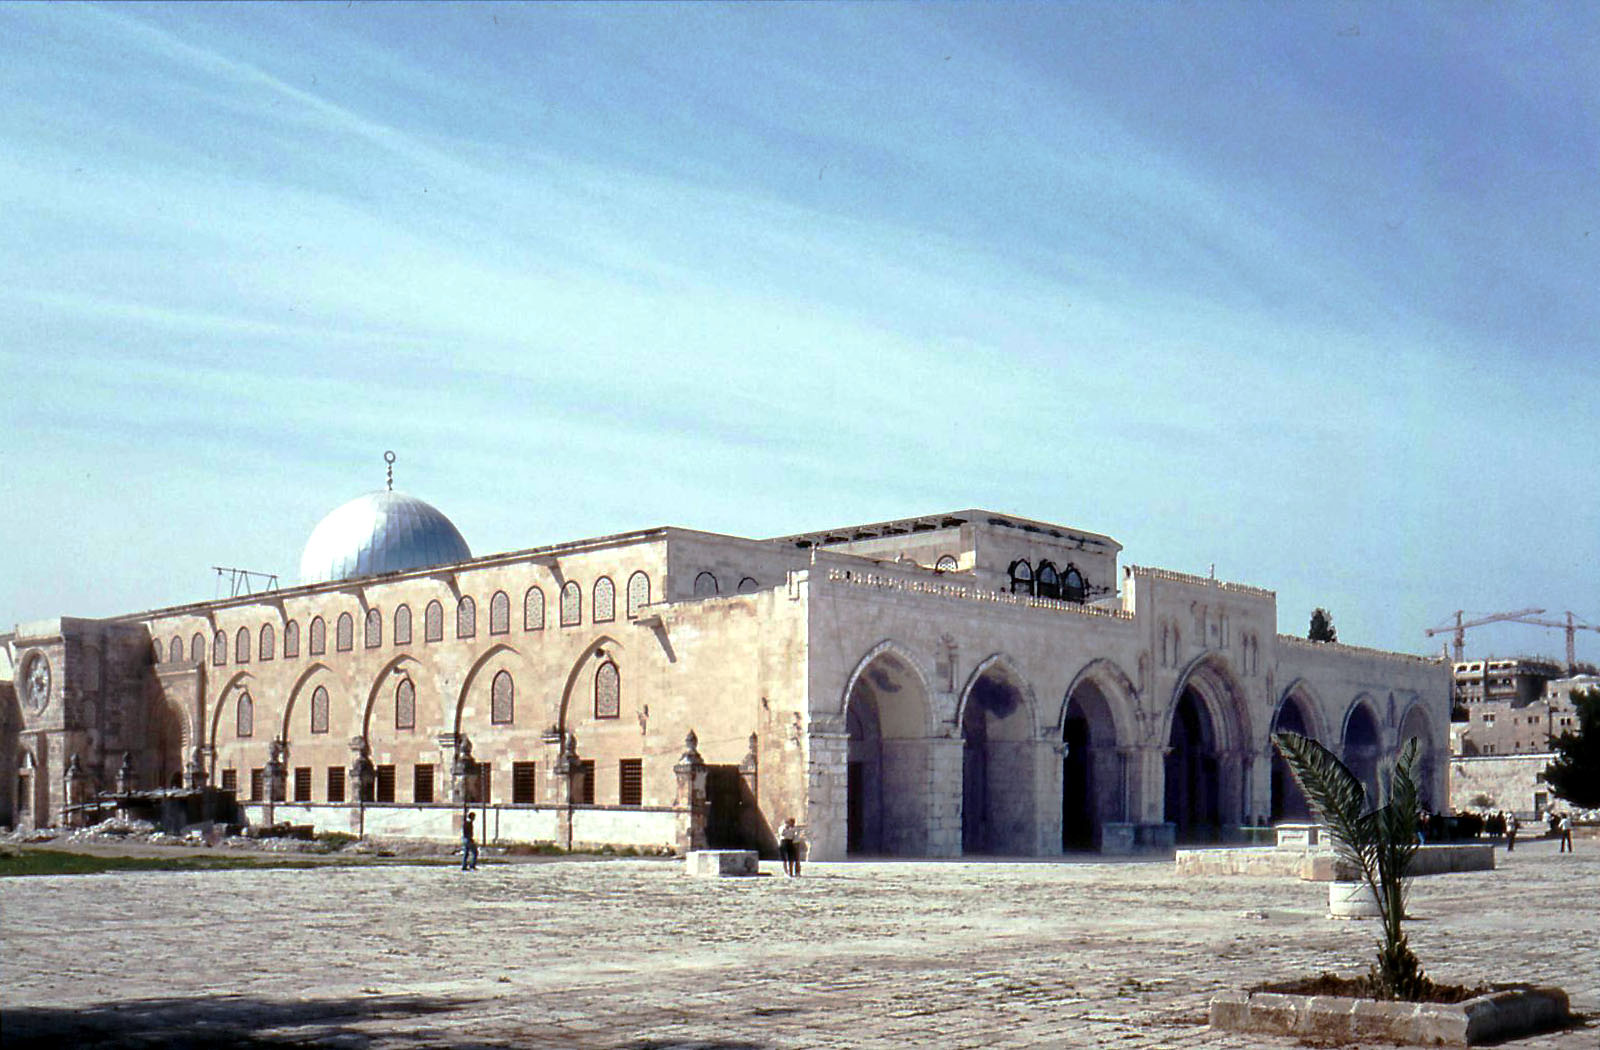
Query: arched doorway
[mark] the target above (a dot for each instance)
(1288, 801)
(997, 754)
(1415, 725)
(1362, 747)
(887, 784)
(1193, 772)
(1091, 788)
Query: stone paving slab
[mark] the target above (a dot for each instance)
(638, 955)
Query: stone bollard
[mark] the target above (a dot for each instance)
(1351, 900)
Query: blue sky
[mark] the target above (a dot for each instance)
(1304, 291)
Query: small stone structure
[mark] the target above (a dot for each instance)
(1488, 1018)
(719, 862)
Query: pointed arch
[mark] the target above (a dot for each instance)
(1213, 678)
(1005, 667)
(405, 663)
(1118, 690)
(999, 722)
(295, 692)
(575, 672)
(904, 656)
(485, 658)
(1301, 693)
(891, 733)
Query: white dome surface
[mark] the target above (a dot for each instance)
(377, 533)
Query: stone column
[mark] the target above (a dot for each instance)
(827, 795)
(273, 777)
(194, 771)
(463, 773)
(945, 770)
(750, 784)
(77, 792)
(691, 798)
(361, 773)
(565, 769)
(126, 778)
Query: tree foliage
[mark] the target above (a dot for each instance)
(1575, 774)
(1322, 629)
(1379, 843)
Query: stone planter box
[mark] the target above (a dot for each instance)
(1504, 1014)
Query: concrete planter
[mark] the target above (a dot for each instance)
(1352, 900)
(1504, 1014)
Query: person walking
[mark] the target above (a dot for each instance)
(1565, 828)
(469, 843)
(789, 847)
(1512, 824)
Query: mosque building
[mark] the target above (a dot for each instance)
(960, 683)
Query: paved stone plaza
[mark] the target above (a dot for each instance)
(636, 954)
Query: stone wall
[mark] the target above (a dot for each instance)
(1514, 783)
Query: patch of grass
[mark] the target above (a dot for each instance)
(335, 840)
(61, 862)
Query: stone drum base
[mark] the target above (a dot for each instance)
(1488, 1018)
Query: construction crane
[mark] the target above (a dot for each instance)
(1459, 628)
(1572, 627)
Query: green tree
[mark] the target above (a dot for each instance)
(1379, 843)
(1322, 626)
(1575, 774)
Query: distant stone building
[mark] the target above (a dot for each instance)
(961, 683)
(1500, 751)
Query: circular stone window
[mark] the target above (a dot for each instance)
(36, 683)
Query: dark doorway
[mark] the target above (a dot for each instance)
(727, 824)
(1288, 801)
(1362, 747)
(1192, 772)
(996, 770)
(1077, 788)
(855, 815)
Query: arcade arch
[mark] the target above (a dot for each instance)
(1092, 789)
(1294, 715)
(887, 716)
(1361, 745)
(998, 751)
(1202, 788)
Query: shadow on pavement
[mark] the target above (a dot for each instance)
(225, 1021)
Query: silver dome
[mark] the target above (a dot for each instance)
(377, 533)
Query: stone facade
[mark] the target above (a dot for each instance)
(1513, 783)
(965, 683)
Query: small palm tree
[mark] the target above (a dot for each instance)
(1379, 843)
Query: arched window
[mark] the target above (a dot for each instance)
(1021, 577)
(344, 633)
(319, 710)
(533, 610)
(268, 645)
(433, 622)
(197, 648)
(244, 717)
(405, 705)
(317, 642)
(402, 625)
(1072, 588)
(705, 585)
(638, 593)
(748, 586)
(502, 700)
(571, 604)
(607, 691)
(947, 563)
(1048, 584)
(175, 654)
(372, 634)
(291, 639)
(605, 600)
(466, 617)
(499, 613)
(219, 648)
(241, 646)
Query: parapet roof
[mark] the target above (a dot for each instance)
(948, 520)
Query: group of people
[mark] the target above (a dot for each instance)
(1560, 825)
